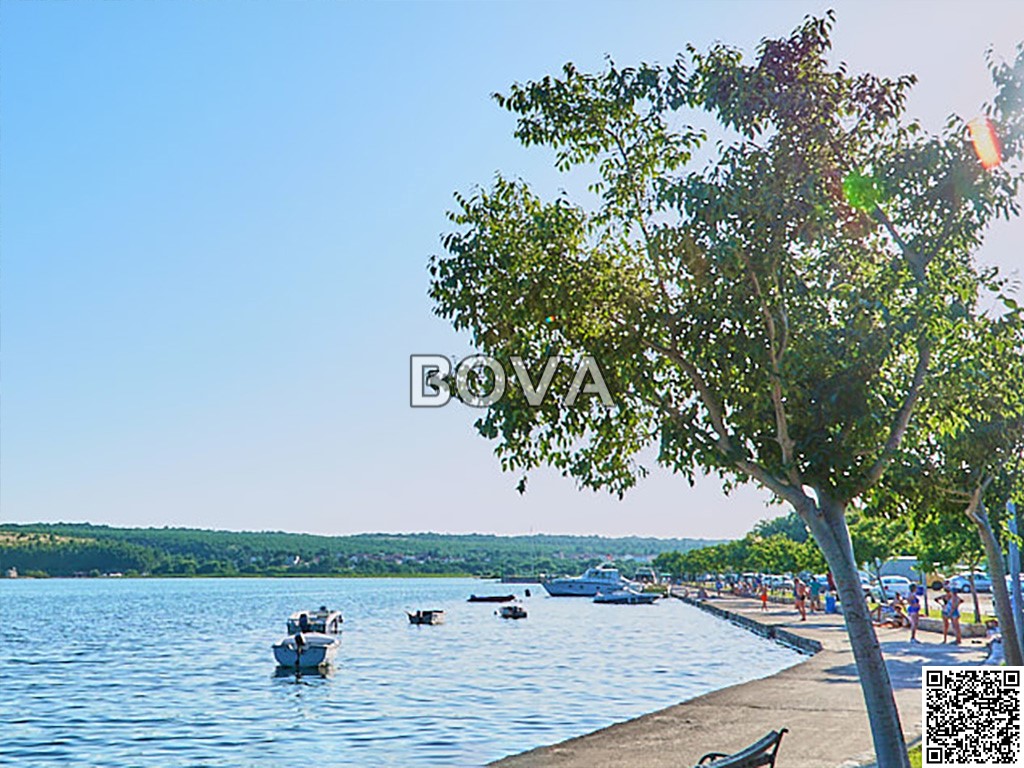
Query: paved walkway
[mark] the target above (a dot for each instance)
(818, 700)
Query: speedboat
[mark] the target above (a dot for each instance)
(313, 639)
(513, 612)
(602, 578)
(626, 597)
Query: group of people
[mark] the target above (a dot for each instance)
(806, 596)
(907, 613)
(897, 613)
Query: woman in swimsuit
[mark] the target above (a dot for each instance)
(799, 597)
(951, 615)
(914, 612)
(954, 616)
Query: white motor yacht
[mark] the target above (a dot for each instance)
(602, 578)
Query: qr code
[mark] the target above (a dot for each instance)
(972, 716)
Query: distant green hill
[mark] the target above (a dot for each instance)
(67, 549)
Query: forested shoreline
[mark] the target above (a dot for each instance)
(83, 549)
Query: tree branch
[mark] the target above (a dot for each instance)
(917, 262)
(775, 350)
(640, 220)
(794, 494)
(975, 503)
(902, 419)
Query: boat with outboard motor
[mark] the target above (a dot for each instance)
(602, 578)
(313, 639)
(430, 617)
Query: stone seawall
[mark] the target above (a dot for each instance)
(792, 640)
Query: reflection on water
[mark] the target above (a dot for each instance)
(176, 672)
(306, 675)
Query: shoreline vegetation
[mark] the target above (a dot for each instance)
(43, 550)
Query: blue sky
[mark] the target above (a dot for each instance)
(215, 224)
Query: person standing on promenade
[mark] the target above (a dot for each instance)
(800, 595)
(954, 616)
(815, 594)
(763, 592)
(951, 615)
(914, 612)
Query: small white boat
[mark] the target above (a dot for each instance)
(307, 650)
(321, 620)
(313, 639)
(626, 597)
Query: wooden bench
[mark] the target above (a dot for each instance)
(760, 753)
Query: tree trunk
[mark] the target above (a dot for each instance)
(1000, 595)
(974, 594)
(827, 521)
(883, 597)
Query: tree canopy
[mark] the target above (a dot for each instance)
(775, 315)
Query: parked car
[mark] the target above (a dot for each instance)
(867, 584)
(935, 580)
(962, 582)
(892, 586)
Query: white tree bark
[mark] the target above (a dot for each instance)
(1000, 596)
(827, 521)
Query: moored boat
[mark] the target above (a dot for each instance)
(307, 650)
(426, 617)
(313, 639)
(602, 578)
(626, 597)
(321, 620)
(491, 598)
(513, 612)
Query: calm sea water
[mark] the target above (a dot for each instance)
(119, 672)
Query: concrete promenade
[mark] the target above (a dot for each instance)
(819, 700)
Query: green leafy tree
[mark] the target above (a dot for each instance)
(770, 318)
(876, 539)
(788, 525)
(777, 554)
(950, 541)
(968, 460)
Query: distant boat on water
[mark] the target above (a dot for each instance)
(513, 612)
(491, 598)
(626, 597)
(426, 617)
(602, 578)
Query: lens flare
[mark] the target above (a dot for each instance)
(861, 192)
(986, 142)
